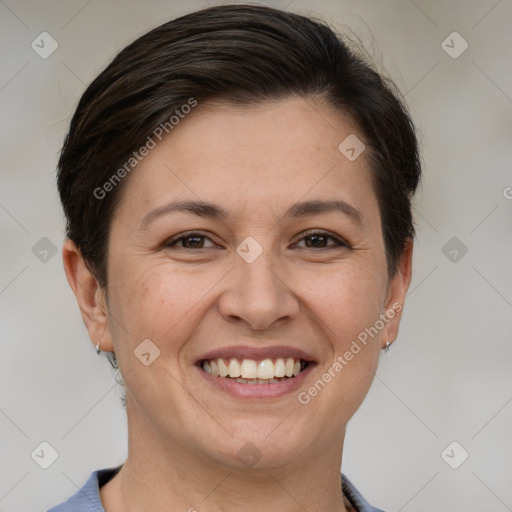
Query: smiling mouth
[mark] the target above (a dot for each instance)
(253, 371)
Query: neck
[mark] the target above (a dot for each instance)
(159, 473)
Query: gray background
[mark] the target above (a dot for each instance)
(448, 376)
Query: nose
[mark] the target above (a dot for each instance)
(258, 295)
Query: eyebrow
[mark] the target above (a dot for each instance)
(216, 212)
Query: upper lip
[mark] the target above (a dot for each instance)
(248, 352)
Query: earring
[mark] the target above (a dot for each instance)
(386, 348)
(98, 350)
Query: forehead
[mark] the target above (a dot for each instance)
(251, 159)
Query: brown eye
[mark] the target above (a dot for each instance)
(320, 239)
(190, 241)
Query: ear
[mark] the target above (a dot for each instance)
(397, 290)
(89, 295)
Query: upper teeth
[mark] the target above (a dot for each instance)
(252, 369)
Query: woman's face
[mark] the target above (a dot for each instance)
(251, 282)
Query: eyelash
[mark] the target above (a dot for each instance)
(197, 234)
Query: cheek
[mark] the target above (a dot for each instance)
(344, 301)
(346, 306)
(161, 302)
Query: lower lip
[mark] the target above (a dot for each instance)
(260, 391)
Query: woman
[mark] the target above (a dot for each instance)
(237, 185)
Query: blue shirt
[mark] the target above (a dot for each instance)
(87, 499)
